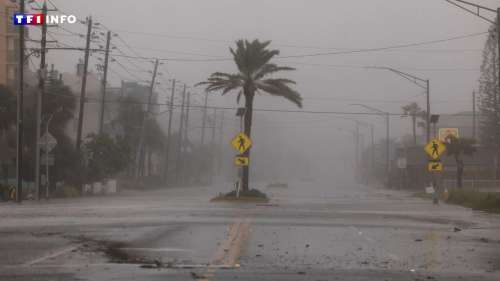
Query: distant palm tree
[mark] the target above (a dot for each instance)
(254, 68)
(414, 111)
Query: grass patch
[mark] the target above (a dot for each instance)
(250, 196)
(483, 201)
(476, 200)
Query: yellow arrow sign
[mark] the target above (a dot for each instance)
(435, 166)
(241, 142)
(435, 148)
(241, 161)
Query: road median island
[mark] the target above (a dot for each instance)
(476, 200)
(250, 196)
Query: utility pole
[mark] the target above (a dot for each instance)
(428, 117)
(84, 85)
(212, 143)
(104, 81)
(178, 166)
(388, 146)
(186, 138)
(39, 98)
(356, 153)
(204, 120)
(140, 146)
(20, 108)
(169, 129)
(219, 146)
(387, 137)
(372, 129)
(474, 115)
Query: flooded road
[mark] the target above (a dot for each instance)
(308, 231)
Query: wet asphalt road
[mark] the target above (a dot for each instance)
(309, 231)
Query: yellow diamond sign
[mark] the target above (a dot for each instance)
(241, 161)
(435, 148)
(435, 166)
(241, 142)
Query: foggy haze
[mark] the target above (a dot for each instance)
(198, 30)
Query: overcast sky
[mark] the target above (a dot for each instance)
(203, 29)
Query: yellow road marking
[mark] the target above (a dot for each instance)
(229, 251)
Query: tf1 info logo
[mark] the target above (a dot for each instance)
(40, 19)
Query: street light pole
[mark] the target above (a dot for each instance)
(417, 81)
(428, 112)
(387, 136)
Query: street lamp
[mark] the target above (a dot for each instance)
(356, 136)
(387, 144)
(372, 129)
(417, 81)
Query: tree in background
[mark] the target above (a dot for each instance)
(254, 68)
(7, 109)
(414, 111)
(105, 157)
(489, 93)
(129, 120)
(7, 135)
(457, 147)
(60, 104)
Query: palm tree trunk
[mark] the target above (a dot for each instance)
(248, 131)
(414, 119)
(460, 170)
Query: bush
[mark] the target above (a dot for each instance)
(67, 191)
(484, 201)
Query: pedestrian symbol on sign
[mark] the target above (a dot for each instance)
(241, 143)
(435, 148)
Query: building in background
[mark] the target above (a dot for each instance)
(9, 44)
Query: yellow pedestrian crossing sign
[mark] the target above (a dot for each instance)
(241, 161)
(241, 142)
(435, 148)
(435, 166)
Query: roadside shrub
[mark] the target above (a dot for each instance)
(484, 201)
(67, 191)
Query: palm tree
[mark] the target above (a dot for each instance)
(457, 147)
(7, 109)
(414, 111)
(254, 68)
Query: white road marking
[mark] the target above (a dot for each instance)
(52, 255)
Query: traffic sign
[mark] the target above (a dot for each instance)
(435, 166)
(241, 142)
(445, 133)
(241, 161)
(47, 142)
(435, 148)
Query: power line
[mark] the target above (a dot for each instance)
(386, 47)
(152, 34)
(201, 107)
(364, 67)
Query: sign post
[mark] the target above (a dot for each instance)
(241, 143)
(47, 144)
(434, 149)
